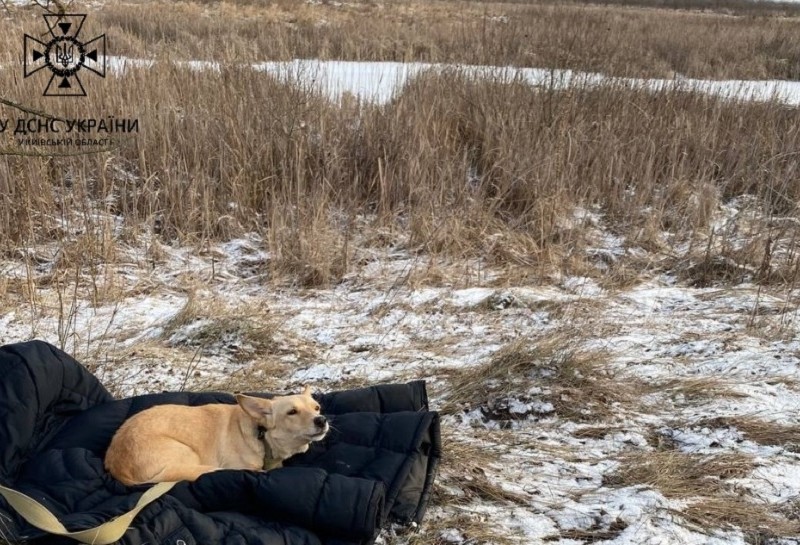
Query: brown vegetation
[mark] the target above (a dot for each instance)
(730, 39)
(702, 481)
(488, 169)
(576, 383)
(757, 430)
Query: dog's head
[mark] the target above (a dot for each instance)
(292, 422)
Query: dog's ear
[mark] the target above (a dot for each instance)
(256, 407)
(307, 390)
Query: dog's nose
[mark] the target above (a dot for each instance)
(320, 421)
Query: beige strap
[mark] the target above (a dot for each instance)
(37, 515)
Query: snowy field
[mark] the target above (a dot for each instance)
(533, 462)
(576, 409)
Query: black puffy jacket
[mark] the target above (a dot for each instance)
(56, 420)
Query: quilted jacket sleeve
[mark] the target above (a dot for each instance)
(385, 398)
(385, 433)
(335, 505)
(41, 387)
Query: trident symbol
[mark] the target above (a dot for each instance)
(64, 54)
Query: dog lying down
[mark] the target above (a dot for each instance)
(180, 443)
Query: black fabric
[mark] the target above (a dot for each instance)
(376, 466)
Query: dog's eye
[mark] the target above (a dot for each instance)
(316, 408)
(293, 411)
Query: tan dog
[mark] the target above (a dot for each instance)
(177, 442)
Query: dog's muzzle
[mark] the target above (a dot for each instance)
(321, 423)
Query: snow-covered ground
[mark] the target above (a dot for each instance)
(198, 318)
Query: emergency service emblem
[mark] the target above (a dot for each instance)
(65, 55)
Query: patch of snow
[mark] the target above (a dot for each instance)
(777, 482)
(581, 286)
(470, 297)
(380, 81)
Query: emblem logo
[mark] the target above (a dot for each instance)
(65, 55)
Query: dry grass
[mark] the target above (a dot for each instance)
(560, 35)
(702, 481)
(760, 523)
(757, 430)
(577, 383)
(244, 332)
(704, 7)
(679, 475)
(511, 440)
(596, 432)
(299, 173)
(467, 467)
(592, 535)
(5, 531)
(309, 249)
(698, 389)
(267, 375)
(659, 42)
(234, 332)
(151, 357)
